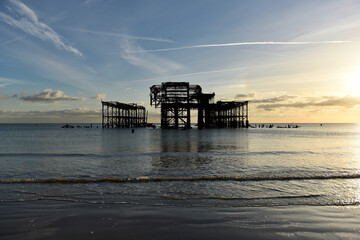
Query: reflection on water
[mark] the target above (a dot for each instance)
(193, 149)
(311, 165)
(173, 150)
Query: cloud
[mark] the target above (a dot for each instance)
(118, 35)
(2, 96)
(49, 96)
(99, 96)
(147, 60)
(88, 2)
(273, 99)
(236, 44)
(205, 72)
(10, 41)
(347, 101)
(325, 101)
(245, 95)
(8, 81)
(22, 17)
(78, 115)
(53, 68)
(336, 27)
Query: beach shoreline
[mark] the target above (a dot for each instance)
(48, 219)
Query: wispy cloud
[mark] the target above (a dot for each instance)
(118, 35)
(8, 81)
(88, 2)
(22, 17)
(325, 101)
(2, 96)
(147, 61)
(67, 115)
(10, 41)
(206, 72)
(274, 99)
(337, 27)
(245, 95)
(54, 68)
(49, 96)
(238, 44)
(99, 96)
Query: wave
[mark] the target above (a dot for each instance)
(50, 155)
(131, 154)
(252, 202)
(181, 179)
(264, 198)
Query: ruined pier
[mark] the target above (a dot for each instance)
(177, 99)
(123, 115)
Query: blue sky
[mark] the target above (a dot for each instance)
(297, 61)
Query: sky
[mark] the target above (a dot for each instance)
(295, 61)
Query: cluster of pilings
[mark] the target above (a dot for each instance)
(230, 114)
(122, 115)
(176, 99)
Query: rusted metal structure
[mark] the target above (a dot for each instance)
(122, 115)
(176, 99)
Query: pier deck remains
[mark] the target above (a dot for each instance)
(176, 99)
(122, 115)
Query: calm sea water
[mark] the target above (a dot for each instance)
(310, 165)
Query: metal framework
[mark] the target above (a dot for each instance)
(122, 115)
(232, 114)
(176, 99)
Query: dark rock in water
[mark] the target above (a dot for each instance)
(68, 126)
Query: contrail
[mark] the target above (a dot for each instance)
(238, 44)
(10, 41)
(118, 35)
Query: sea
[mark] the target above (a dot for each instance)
(244, 171)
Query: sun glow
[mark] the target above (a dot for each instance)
(354, 83)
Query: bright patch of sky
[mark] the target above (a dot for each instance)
(297, 61)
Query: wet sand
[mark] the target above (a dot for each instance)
(53, 220)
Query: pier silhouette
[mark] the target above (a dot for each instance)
(176, 100)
